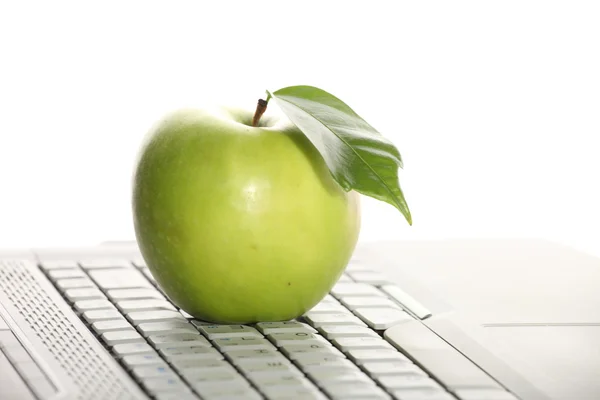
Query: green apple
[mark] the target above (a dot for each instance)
(237, 223)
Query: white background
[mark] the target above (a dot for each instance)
(495, 106)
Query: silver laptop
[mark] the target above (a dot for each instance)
(469, 320)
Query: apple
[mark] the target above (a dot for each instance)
(240, 223)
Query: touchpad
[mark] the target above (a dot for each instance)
(563, 360)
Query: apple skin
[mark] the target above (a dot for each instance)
(240, 224)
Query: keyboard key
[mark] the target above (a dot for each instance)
(299, 350)
(66, 274)
(369, 277)
(142, 360)
(329, 299)
(360, 356)
(194, 338)
(329, 308)
(232, 387)
(117, 337)
(86, 305)
(140, 317)
(330, 375)
(156, 371)
(407, 381)
(101, 327)
(339, 331)
(132, 348)
(84, 294)
(171, 340)
(198, 364)
(440, 359)
(246, 394)
(154, 385)
(487, 394)
(111, 325)
(274, 357)
(355, 390)
(357, 265)
(197, 374)
(346, 344)
(290, 378)
(272, 368)
(157, 328)
(175, 354)
(101, 263)
(406, 301)
(317, 320)
(345, 278)
(296, 391)
(233, 391)
(382, 318)
(221, 331)
(134, 294)
(101, 315)
(284, 338)
(80, 283)
(127, 306)
(284, 326)
(375, 369)
(321, 360)
(119, 279)
(300, 357)
(237, 357)
(210, 374)
(186, 395)
(346, 289)
(354, 302)
(427, 394)
(336, 373)
(59, 264)
(242, 343)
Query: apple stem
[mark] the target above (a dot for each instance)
(261, 107)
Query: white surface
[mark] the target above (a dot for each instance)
(493, 105)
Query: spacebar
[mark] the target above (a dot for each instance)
(436, 356)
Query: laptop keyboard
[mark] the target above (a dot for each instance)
(336, 350)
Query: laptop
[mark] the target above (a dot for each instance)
(438, 320)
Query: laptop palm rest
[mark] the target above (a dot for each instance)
(562, 359)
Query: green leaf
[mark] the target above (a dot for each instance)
(358, 156)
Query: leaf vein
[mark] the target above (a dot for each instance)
(385, 184)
